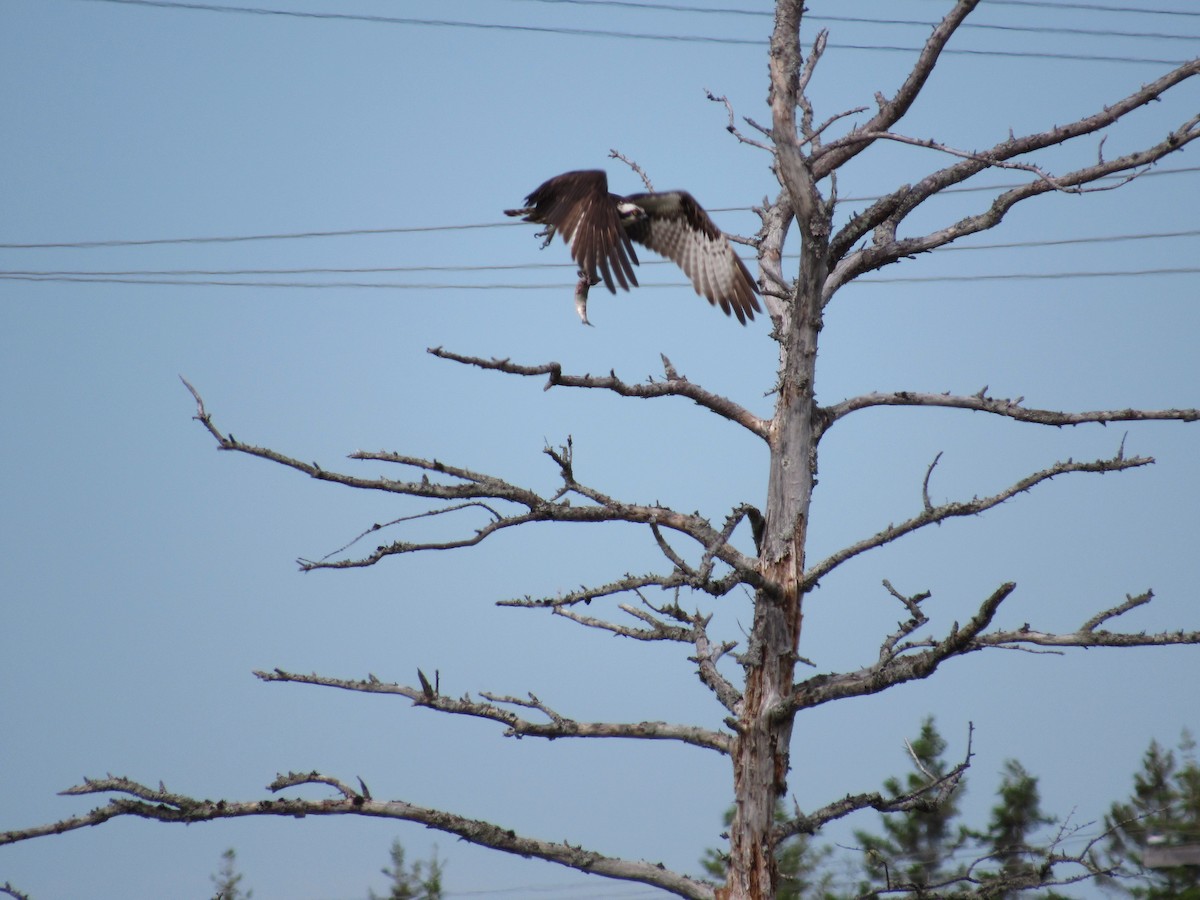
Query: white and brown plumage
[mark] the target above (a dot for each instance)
(601, 227)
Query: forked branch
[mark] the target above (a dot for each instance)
(927, 797)
(911, 660)
(506, 504)
(933, 515)
(688, 628)
(837, 153)
(1039, 871)
(885, 215)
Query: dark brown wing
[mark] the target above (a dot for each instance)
(677, 227)
(580, 208)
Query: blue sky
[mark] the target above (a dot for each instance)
(146, 574)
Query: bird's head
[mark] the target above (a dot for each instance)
(630, 212)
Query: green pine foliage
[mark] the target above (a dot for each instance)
(926, 851)
(918, 847)
(420, 881)
(1164, 810)
(228, 880)
(1009, 838)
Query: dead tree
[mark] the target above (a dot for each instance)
(699, 555)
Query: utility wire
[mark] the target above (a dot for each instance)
(624, 35)
(444, 23)
(1027, 276)
(1058, 242)
(508, 267)
(421, 229)
(1045, 4)
(1016, 54)
(236, 238)
(1093, 7)
(866, 20)
(568, 286)
(976, 188)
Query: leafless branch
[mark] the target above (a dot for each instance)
(708, 559)
(917, 660)
(732, 127)
(807, 132)
(475, 488)
(697, 580)
(836, 117)
(139, 801)
(1052, 183)
(917, 618)
(898, 667)
(933, 515)
(706, 658)
(884, 216)
(295, 779)
(641, 173)
(558, 726)
(679, 387)
(7, 888)
(925, 484)
(656, 630)
(587, 594)
(1082, 638)
(707, 654)
(929, 796)
(496, 516)
(912, 604)
(669, 552)
(1038, 873)
(1012, 409)
(1131, 602)
(691, 630)
(837, 153)
(917, 760)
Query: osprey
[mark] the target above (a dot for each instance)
(600, 227)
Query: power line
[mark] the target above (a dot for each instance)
(624, 35)
(421, 229)
(574, 889)
(230, 239)
(975, 189)
(568, 286)
(381, 285)
(1093, 7)
(1058, 242)
(1028, 276)
(508, 267)
(1028, 29)
(443, 23)
(664, 7)
(1018, 54)
(675, 7)
(866, 20)
(357, 270)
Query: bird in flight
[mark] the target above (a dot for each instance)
(601, 227)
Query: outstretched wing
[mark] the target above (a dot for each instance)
(676, 226)
(579, 207)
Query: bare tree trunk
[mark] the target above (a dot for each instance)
(761, 757)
